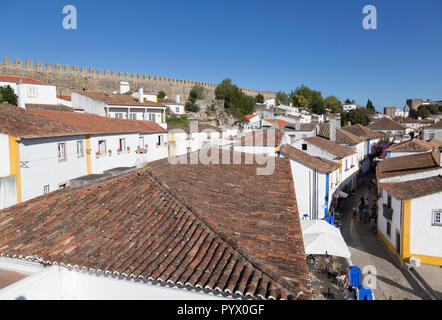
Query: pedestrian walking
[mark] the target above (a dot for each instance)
(354, 213)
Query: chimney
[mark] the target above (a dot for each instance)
(440, 157)
(333, 130)
(297, 125)
(349, 123)
(177, 98)
(21, 94)
(275, 124)
(124, 87)
(140, 95)
(338, 122)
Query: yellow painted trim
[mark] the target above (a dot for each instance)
(88, 155)
(428, 259)
(406, 218)
(173, 145)
(340, 169)
(388, 244)
(14, 164)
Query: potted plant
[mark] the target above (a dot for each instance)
(110, 152)
(128, 149)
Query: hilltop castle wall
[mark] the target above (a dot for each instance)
(67, 77)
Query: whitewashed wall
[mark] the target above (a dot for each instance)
(4, 155)
(88, 104)
(42, 167)
(46, 94)
(396, 218)
(425, 239)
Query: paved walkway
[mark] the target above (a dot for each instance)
(367, 249)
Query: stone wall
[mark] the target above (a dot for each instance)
(67, 77)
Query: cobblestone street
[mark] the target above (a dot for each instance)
(367, 249)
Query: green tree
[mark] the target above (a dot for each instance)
(423, 112)
(236, 102)
(313, 99)
(8, 94)
(197, 93)
(348, 101)
(358, 116)
(282, 98)
(192, 107)
(333, 104)
(161, 95)
(259, 98)
(370, 107)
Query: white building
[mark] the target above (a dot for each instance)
(42, 151)
(433, 131)
(120, 106)
(410, 219)
(316, 181)
(254, 122)
(410, 147)
(175, 106)
(349, 107)
(32, 91)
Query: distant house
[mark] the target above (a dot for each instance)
(120, 106)
(254, 122)
(349, 107)
(300, 130)
(388, 126)
(410, 147)
(408, 122)
(274, 123)
(433, 131)
(264, 142)
(175, 106)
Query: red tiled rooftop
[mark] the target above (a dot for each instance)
(412, 145)
(318, 163)
(119, 99)
(216, 227)
(331, 147)
(414, 189)
(15, 79)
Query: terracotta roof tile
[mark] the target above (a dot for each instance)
(331, 147)
(412, 145)
(414, 189)
(386, 124)
(415, 163)
(15, 79)
(437, 125)
(281, 123)
(342, 136)
(90, 123)
(363, 132)
(263, 137)
(318, 163)
(217, 227)
(119, 99)
(54, 107)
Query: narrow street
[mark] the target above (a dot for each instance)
(367, 249)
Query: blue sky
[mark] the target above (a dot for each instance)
(269, 45)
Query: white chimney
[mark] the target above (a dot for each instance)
(333, 130)
(140, 95)
(440, 158)
(297, 125)
(124, 87)
(21, 94)
(177, 98)
(275, 124)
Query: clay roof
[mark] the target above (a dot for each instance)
(94, 124)
(119, 99)
(263, 137)
(331, 147)
(414, 189)
(201, 127)
(170, 101)
(14, 79)
(250, 116)
(64, 97)
(304, 126)
(256, 214)
(18, 122)
(363, 132)
(404, 120)
(436, 143)
(415, 163)
(385, 124)
(412, 145)
(281, 123)
(220, 228)
(437, 125)
(342, 136)
(318, 163)
(54, 107)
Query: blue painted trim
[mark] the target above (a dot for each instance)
(327, 193)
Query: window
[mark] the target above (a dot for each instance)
(119, 116)
(46, 189)
(61, 151)
(437, 217)
(389, 202)
(80, 149)
(152, 117)
(102, 147)
(133, 116)
(122, 145)
(32, 92)
(389, 228)
(431, 135)
(160, 140)
(141, 142)
(177, 109)
(304, 147)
